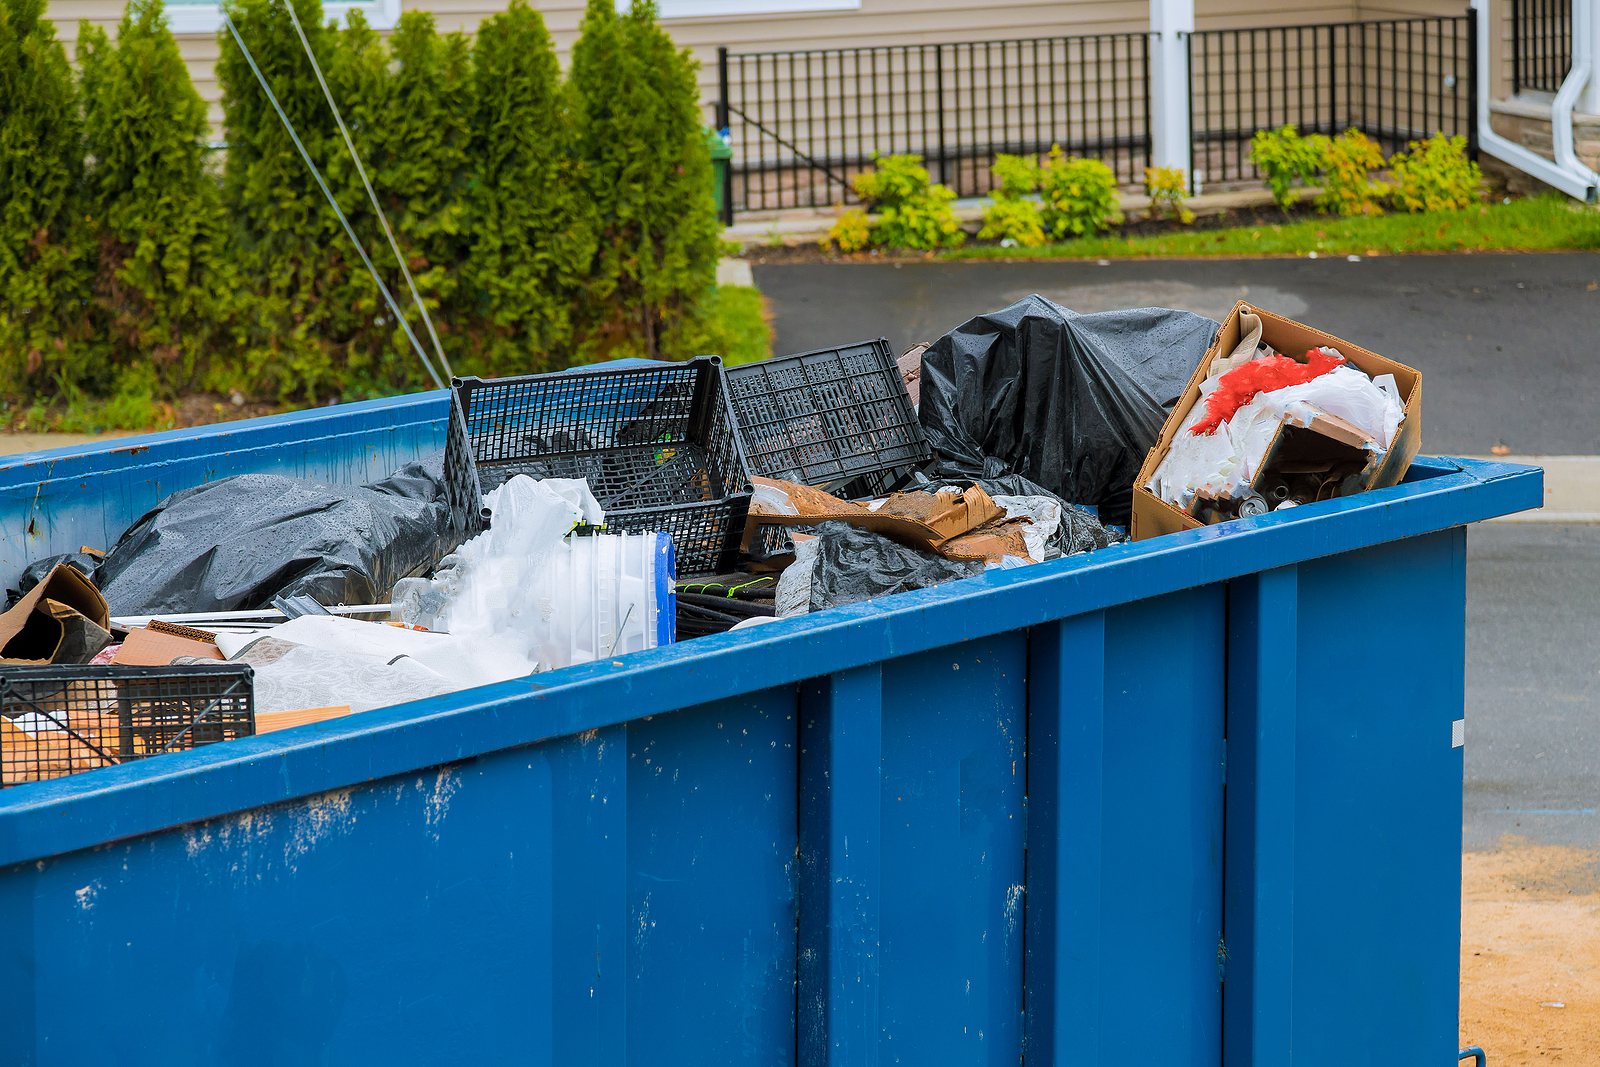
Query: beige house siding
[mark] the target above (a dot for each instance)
(876, 22)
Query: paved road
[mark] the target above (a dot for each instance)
(1507, 346)
(1506, 343)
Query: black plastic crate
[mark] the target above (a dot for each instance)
(838, 417)
(656, 444)
(60, 720)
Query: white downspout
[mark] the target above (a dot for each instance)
(1567, 173)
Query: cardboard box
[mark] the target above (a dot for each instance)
(1153, 516)
(919, 520)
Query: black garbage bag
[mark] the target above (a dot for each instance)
(1072, 402)
(237, 543)
(853, 564)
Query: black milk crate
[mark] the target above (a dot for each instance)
(656, 445)
(838, 417)
(62, 719)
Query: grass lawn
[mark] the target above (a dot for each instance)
(1540, 224)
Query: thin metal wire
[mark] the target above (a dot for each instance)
(362, 252)
(361, 170)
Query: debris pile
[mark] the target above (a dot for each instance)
(587, 515)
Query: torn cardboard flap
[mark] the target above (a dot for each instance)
(63, 619)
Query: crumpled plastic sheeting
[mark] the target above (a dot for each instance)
(1072, 402)
(238, 542)
(850, 565)
(290, 676)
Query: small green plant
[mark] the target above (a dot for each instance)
(1284, 158)
(851, 231)
(1435, 176)
(1347, 187)
(1079, 196)
(910, 212)
(1168, 190)
(1012, 217)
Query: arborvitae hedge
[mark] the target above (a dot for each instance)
(531, 222)
(164, 290)
(545, 221)
(648, 171)
(46, 238)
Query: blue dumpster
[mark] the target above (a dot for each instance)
(1194, 801)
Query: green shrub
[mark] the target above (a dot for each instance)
(1284, 157)
(851, 231)
(1435, 176)
(532, 236)
(407, 103)
(46, 238)
(1347, 187)
(288, 244)
(908, 212)
(164, 290)
(1012, 217)
(1168, 191)
(646, 168)
(1079, 196)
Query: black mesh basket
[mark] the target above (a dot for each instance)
(656, 445)
(839, 418)
(59, 720)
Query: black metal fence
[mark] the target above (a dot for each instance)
(1396, 80)
(802, 123)
(1541, 44)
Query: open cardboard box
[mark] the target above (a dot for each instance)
(1153, 516)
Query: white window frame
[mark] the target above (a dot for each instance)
(207, 18)
(701, 9)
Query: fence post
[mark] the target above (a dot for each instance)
(1171, 23)
(938, 87)
(725, 127)
(1472, 85)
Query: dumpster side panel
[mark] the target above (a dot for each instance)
(954, 768)
(712, 834)
(404, 921)
(1161, 874)
(1377, 912)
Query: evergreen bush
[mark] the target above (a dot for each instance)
(164, 288)
(1012, 217)
(46, 237)
(907, 211)
(1284, 157)
(1435, 176)
(1348, 187)
(529, 221)
(1079, 196)
(1168, 192)
(646, 168)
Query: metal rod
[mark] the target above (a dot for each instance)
(362, 252)
(394, 245)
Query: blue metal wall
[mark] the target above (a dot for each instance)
(1189, 801)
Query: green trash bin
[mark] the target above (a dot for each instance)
(721, 160)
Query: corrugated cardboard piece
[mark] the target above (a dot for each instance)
(152, 648)
(1153, 516)
(63, 619)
